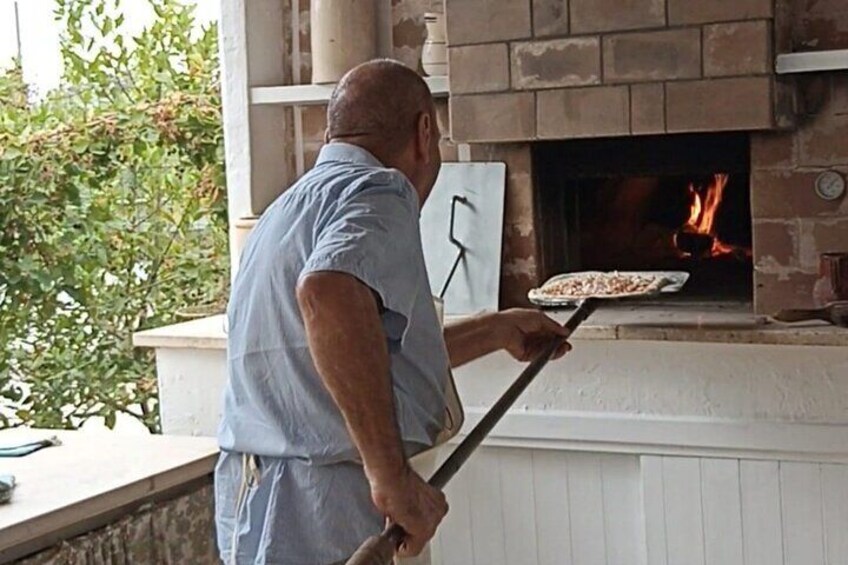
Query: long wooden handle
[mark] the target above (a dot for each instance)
(379, 550)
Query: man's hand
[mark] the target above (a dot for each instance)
(412, 504)
(524, 333)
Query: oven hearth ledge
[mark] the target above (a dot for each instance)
(705, 322)
(721, 322)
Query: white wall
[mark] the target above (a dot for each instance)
(40, 35)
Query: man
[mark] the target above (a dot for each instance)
(337, 362)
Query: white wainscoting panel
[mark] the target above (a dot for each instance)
(684, 526)
(624, 531)
(653, 510)
(835, 496)
(543, 507)
(550, 489)
(517, 506)
(762, 524)
(803, 523)
(722, 504)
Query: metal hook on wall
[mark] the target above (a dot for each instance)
(456, 243)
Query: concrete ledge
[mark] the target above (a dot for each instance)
(697, 323)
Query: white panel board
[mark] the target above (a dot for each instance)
(484, 495)
(519, 513)
(761, 520)
(624, 535)
(803, 530)
(478, 226)
(683, 513)
(553, 520)
(835, 496)
(586, 501)
(722, 512)
(653, 510)
(454, 536)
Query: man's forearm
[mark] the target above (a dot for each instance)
(472, 338)
(348, 347)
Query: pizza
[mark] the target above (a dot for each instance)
(611, 285)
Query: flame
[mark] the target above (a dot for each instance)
(703, 210)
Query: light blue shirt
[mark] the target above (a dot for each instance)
(312, 504)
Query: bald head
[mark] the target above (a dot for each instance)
(378, 104)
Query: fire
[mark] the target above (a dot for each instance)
(703, 210)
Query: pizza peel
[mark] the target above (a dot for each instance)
(380, 549)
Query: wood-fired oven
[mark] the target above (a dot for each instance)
(675, 202)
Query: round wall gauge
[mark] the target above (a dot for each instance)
(830, 185)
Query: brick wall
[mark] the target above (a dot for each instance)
(792, 226)
(508, 83)
(524, 70)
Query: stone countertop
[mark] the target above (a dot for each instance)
(204, 333)
(708, 322)
(668, 321)
(68, 489)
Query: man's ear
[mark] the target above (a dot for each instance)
(326, 136)
(424, 133)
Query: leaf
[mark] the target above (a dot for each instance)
(79, 145)
(11, 153)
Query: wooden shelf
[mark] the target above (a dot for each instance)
(812, 61)
(315, 94)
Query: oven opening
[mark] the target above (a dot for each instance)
(677, 202)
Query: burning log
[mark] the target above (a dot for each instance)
(693, 243)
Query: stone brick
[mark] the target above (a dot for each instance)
(584, 112)
(588, 16)
(408, 31)
(824, 142)
(479, 68)
(775, 244)
(310, 155)
(447, 147)
(647, 108)
(782, 26)
(785, 103)
(822, 24)
(657, 55)
(791, 194)
(711, 11)
(487, 21)
(738, 48)
(557, 62)
(550, 17)
(776, 292)
(719, 105)
(520, 257)
(830, 236)
(839, 93)
(772, 150)
(314, 122)
(493, 117)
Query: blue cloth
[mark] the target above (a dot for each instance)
(312, 503)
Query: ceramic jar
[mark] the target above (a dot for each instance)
(434, 55)
(344, 34)
(832, 283)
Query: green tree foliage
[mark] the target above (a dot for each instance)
(112, 212)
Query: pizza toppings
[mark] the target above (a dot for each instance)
(602, 284)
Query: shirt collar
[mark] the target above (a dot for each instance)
(347, 153)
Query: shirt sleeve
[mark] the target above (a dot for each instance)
(374, 236)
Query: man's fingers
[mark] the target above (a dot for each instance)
(411, 546)
(563, 349)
